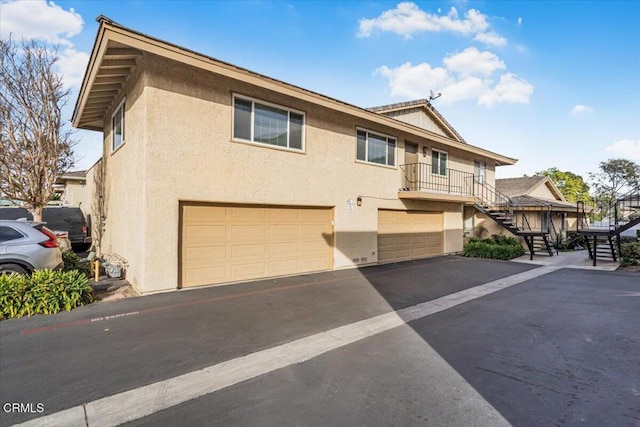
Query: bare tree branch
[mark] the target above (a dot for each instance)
(34, 146)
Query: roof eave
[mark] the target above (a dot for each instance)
(110, 30)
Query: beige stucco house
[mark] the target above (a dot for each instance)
(537, 201)
(214, 174)
(70, 188)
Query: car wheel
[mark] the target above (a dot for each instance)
(12, 268)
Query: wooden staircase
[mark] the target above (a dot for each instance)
(604, 244)
(509, 216)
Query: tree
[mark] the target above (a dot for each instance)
(34, 146)
(616, 177)
(572, 186)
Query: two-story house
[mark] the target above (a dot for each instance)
(215, 174)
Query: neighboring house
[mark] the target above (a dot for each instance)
(215, 174)
(537, 201)
(70, 188)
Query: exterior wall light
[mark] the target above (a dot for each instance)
(424, 151)
(359, 201)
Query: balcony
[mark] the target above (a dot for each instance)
(420, 182)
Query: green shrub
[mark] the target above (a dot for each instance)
(630, 250)
(488, 248)
(502, 240)
(74, 262)
(44, 292)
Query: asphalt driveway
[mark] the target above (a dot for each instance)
(484, 352)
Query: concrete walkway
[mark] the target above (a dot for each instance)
(572, 259)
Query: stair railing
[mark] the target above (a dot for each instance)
(581, 217)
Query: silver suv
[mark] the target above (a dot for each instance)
(26, 246)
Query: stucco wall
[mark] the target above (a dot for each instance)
(178, 147)
(121, 180)
(74, 193)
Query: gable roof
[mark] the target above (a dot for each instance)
(524, 186)
(116, 53)
(428, 108)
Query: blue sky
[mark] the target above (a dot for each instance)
(554, 84)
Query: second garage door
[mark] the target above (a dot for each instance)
(228, 243)
(404, 235)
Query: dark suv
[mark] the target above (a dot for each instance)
(60, 218)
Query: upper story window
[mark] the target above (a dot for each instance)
(117, 128)
(439, 161)
(256, 121)
(375, 148)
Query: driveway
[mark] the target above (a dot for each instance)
(440, 341)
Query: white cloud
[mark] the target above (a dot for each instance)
(580, 109)
(511, 89)
(407, 19)
(72, 65)
(464, 76)
(39, 20)
(463, 90)
(471, 62)
(414, 81)
(49, 23)
(491, 38)
(627, 148)
(519, 21)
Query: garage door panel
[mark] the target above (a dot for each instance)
(313, 264)
(198, 275)
(205, 253)
(283, 232)
(313, 247)
(203, 214)
(247, 251)
(246, 214)
(284, 249)
(247, 271)
(248, 232)
(223, 243)
(277, 215)
(286, 266)
(404, 235)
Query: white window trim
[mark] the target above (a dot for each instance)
(482, 166)
(113, 133)
(268, 104)
(435, 150)
(367, 162)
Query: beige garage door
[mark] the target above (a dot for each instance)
(228, 243)
(404, 235)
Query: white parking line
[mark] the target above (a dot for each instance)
(142, 401)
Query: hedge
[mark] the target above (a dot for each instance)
(43, 292)
(497, 247)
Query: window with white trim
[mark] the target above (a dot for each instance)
(376, 148)
(480, 170)
(269, 124)
(117, 128)
(439, 162)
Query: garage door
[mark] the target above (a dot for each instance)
(404, 235)
(228, 243)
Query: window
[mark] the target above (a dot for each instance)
(117, 128)
(479, 171)
(8, 233)
(438, 162)
(267, 124)
(375, 148)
